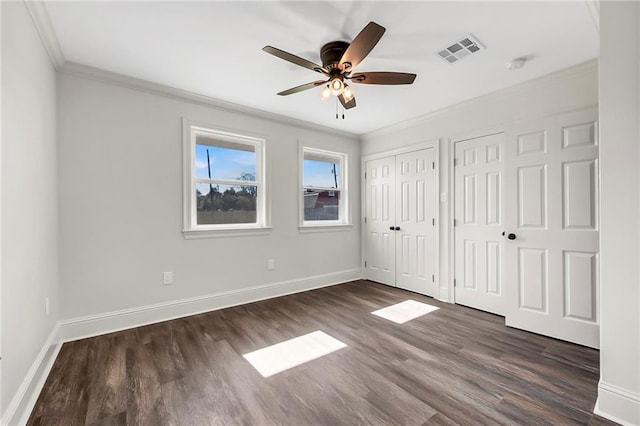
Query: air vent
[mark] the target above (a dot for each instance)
(458, 50)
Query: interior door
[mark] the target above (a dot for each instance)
(479, 216)
(380, 220)
(415, 222)
(552, 217)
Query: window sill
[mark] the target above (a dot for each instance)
(194, 234)
(329, 227)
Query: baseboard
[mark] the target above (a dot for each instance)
(19, 409)
(618, 404)
(94, 325)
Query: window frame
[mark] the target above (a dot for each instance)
(344, 213)
(191, 229)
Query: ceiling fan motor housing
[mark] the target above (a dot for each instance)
(331, 53)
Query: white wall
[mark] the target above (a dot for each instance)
(120, 195)
(619, 388)
(567, 90)
(29, 199)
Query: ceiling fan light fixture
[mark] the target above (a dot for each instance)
(347, 93)
(326, 93)
(336, 86)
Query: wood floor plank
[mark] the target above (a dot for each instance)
(144, 402)
(108, 383)
(453, 366)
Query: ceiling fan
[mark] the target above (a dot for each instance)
(339, 58)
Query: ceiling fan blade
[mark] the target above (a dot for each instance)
(347, 104)
(361, 45)
(294, 59)
(302, 87)
(383, 77)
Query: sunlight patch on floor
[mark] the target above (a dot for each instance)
(405, 311)
(290, 353)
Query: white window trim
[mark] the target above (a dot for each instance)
(190, 227)
(344, 213)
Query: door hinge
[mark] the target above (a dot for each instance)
(365, 175)
(433, 278)
(365, 263)
(454, 282)
(365, 219)
(433, 165)
(455, 162)
(455, 222)
(433, 222)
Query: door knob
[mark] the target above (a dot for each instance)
(397, 228)
(391, 228)
(509, 236)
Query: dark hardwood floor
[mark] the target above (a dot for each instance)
(453, 366)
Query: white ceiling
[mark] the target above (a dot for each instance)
(214, 49)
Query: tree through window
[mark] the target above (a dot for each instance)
(226, 183)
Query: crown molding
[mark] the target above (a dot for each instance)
(42, 22)
(594, 11)
(40, 17)
(92, 73)
(582, 68)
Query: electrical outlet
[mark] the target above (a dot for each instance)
(47, 308)
(271, 264)
(167, 278)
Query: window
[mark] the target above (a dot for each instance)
(224, 189)
(324, 195)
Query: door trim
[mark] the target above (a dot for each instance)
(432, 143)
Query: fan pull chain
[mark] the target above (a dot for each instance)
(338, 105)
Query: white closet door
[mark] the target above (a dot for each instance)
(479, 216)
(380, 227)
(415, 222)
(552, 213)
